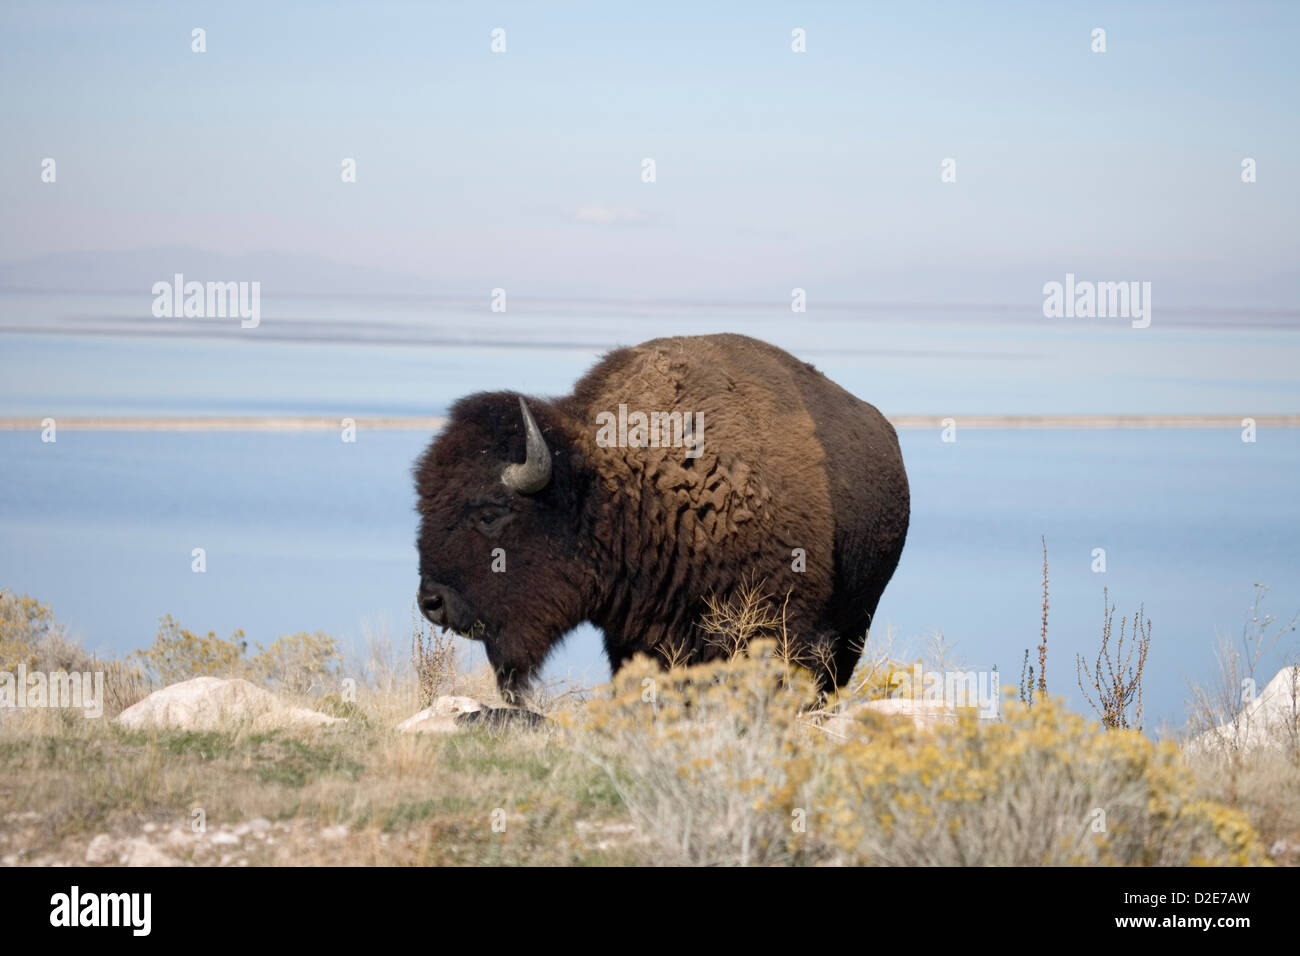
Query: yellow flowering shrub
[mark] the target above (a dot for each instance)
(1045, 786)
(299, 663)
(699, 754)
(178, 655)
(718, 766)
(29, 635)
(23, 622)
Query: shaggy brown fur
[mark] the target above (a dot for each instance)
(636, 539)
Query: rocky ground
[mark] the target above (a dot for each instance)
(257, 842)
(220, 773)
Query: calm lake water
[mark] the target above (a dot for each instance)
(305, 532)
(105, 355)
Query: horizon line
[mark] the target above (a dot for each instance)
(304, 423)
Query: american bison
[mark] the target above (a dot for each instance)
(678, 472)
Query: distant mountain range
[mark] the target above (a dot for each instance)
(1267, 299)
(137, 270)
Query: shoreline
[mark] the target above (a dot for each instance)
(304, 423)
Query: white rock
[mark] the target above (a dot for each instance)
(1265, 721)
(222, 838)
(339, 832)
(100, 849)
(214, 703)
(925, 714)
(181, 839)
(259, 825)
(440, 716)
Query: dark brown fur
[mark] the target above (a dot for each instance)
(635, 540)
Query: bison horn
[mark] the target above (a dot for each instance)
(535, 473)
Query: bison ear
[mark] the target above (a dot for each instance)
(535, 473)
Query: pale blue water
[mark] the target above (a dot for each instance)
(305, 532)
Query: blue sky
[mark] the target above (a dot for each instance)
(775, 169)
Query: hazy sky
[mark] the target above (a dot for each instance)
(774, 169)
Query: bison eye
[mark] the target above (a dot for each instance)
(490, 521)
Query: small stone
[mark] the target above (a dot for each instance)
(339, 832)
(259, 825)
(222, 838)
(150, 828)
(440, 716)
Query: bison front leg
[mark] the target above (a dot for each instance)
(514, 667)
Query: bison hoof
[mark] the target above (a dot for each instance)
(500, 718)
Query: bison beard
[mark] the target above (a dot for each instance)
(530, 526)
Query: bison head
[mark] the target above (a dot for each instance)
(501, 494)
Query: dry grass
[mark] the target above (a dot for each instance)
(433, 657)
(1034, 684)
(1264, 784)
(694, 755)
(1223, 703)
(1115, 678)
(29, 635)
(717, 767)
(402, 798)
(709, 765)
(1042, 642)
(1237, 761)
